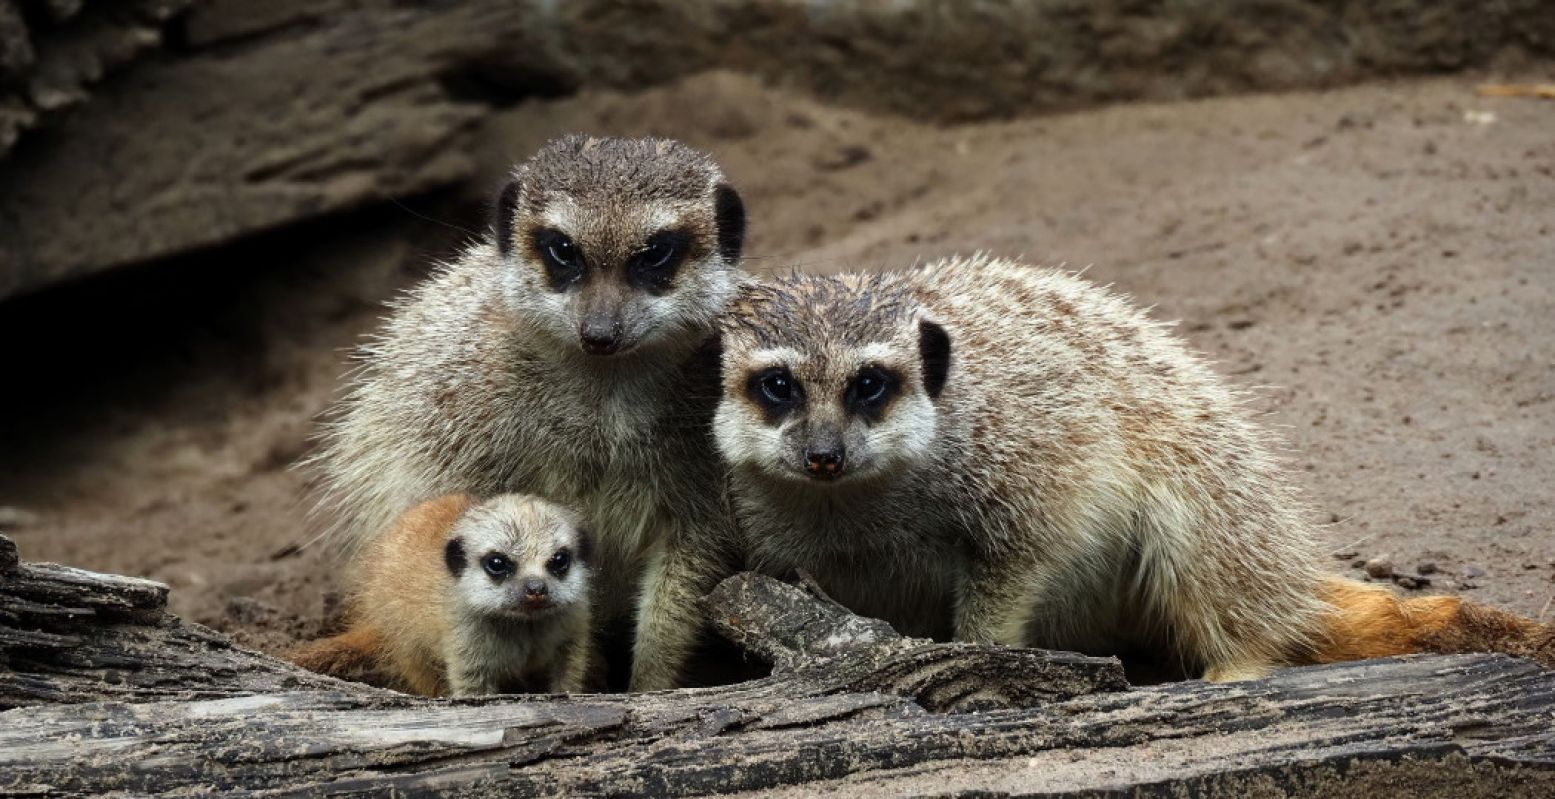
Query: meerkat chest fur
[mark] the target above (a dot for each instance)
(510, 656)
(620, 443)
(892, 552)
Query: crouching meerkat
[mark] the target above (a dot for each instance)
(463, 598)
(570, 354)
(988, 451)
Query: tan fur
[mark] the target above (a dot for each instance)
(478, 382)
(407, 626)
(351, 655)
(1370, 621)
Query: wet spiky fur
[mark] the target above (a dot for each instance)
(477, 382)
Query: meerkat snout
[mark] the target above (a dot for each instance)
(525, 593)
(600, 334)
(825, 453)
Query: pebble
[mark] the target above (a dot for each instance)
(1472, 571)
(12, 517)
(1380, 567)
(1427, 567)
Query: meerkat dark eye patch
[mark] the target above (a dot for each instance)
(870, 391)
(653, 267)
(729, 213)
(453, 556)
(775, 391)
(585, 548)
(559, 563)
(562, 257)
(934, 349)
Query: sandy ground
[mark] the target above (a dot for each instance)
(1380, 261)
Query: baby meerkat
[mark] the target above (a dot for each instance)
(463, 598)
(570, 354)
(989, 451)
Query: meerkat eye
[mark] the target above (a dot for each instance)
(870, 386)
(870, 390)
(498, 566)
(657, 254)
(654, 264)
(559, 563)
(774, 388)
(562, 256)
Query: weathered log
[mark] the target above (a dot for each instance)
(1429, 726)
(68, 635)
(810, 639)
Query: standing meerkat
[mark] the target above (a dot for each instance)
(463, 598)
(988, 451)
(570, 354)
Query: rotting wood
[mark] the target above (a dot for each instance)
(849, 707)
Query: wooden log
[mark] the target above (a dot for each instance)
(849, 708)
(808, 638)
(68, 635)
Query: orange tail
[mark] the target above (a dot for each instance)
(350, 655)
(1371, 621)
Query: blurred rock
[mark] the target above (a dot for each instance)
(49, 59)
(14, 518)
(266, 114)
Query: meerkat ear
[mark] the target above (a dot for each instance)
(934, 348)
(506, 209)
(585, 550)
(453, 556)
(729, 212)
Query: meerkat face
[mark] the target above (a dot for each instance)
(518, 557)
(826, 384)
(618, 245)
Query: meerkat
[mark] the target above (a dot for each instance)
(987, 451)
(571, 354)
(463, 598)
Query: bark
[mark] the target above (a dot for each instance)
(851, 707)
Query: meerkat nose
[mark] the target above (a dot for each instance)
(824, 464)
(600, 345)
(600, 337)
(536, 588)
